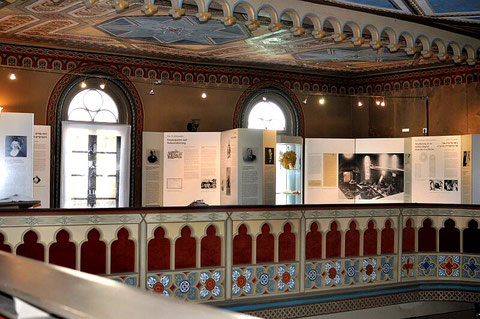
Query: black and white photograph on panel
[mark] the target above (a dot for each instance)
(15, 146)
(371, 176)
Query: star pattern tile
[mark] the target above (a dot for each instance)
(163, 29)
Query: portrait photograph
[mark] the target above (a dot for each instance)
(269, 155)
(250, 154)
(15, 146)
(152, 156)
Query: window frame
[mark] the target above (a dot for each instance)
(282, 100)
(126, 109)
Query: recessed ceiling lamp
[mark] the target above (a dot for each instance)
(382, 103)
(12, 76)
(305, 99)
(102, 86)
(264, 98)
(378, 101)
(204, 95)
(321, 100)
(359, 103)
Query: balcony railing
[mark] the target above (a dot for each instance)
(226, 255)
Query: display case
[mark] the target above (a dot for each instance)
(289, 155)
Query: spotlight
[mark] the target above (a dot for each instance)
(152, 92)
(102, 86)
(305, 100)
(83, 85)
(378, 102)
(359, 103)
(264, 98)
(382, 104)
(1, 109)
(204, 95)
(321, 100)
(12, 76)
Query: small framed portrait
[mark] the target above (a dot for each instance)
(269, 155)
(16, 146)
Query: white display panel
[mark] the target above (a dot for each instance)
(436, 169)
(321, 170)
(250, 164)
(191, 168)
(152, 169)
(16, 156)
(41, 165)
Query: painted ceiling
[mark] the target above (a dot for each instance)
(99, 27)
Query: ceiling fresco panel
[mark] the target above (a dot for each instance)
(185, 31)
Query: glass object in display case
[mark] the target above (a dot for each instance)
(289, 170)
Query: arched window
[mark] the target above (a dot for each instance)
(95, 151)
(270, 109)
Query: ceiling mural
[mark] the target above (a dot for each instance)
(237, 36)
(164, 29)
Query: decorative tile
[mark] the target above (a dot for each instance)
(369, 270)
(160, 284)
(313, 275)
(408, 266)
(242, 282)
(352, 272)
(448, 266)
(332, 274)
(265, 280)
(287, 278)
(427, 266)
(387, 265)
(127, 280)
(186, 286)
(471, 267)
(211, 285)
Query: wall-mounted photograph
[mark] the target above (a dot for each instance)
(370, 176)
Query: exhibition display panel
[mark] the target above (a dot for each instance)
(235, 167)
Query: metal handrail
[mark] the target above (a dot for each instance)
(73, 294)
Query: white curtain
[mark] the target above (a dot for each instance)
(75, 164)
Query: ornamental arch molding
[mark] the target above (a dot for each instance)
(270, 87)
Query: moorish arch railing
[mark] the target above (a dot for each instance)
(359, 28)
(230, 255)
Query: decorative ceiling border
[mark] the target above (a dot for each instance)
(142, 70)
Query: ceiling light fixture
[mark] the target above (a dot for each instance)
(321, 100)
(152, 92)
(12, 76)
(83, 85)
(1, 109)
(264, 98)
(382, 103)
(359, 103)
(377, 101)
(204, 95)
(305, 99)
(102, 86)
